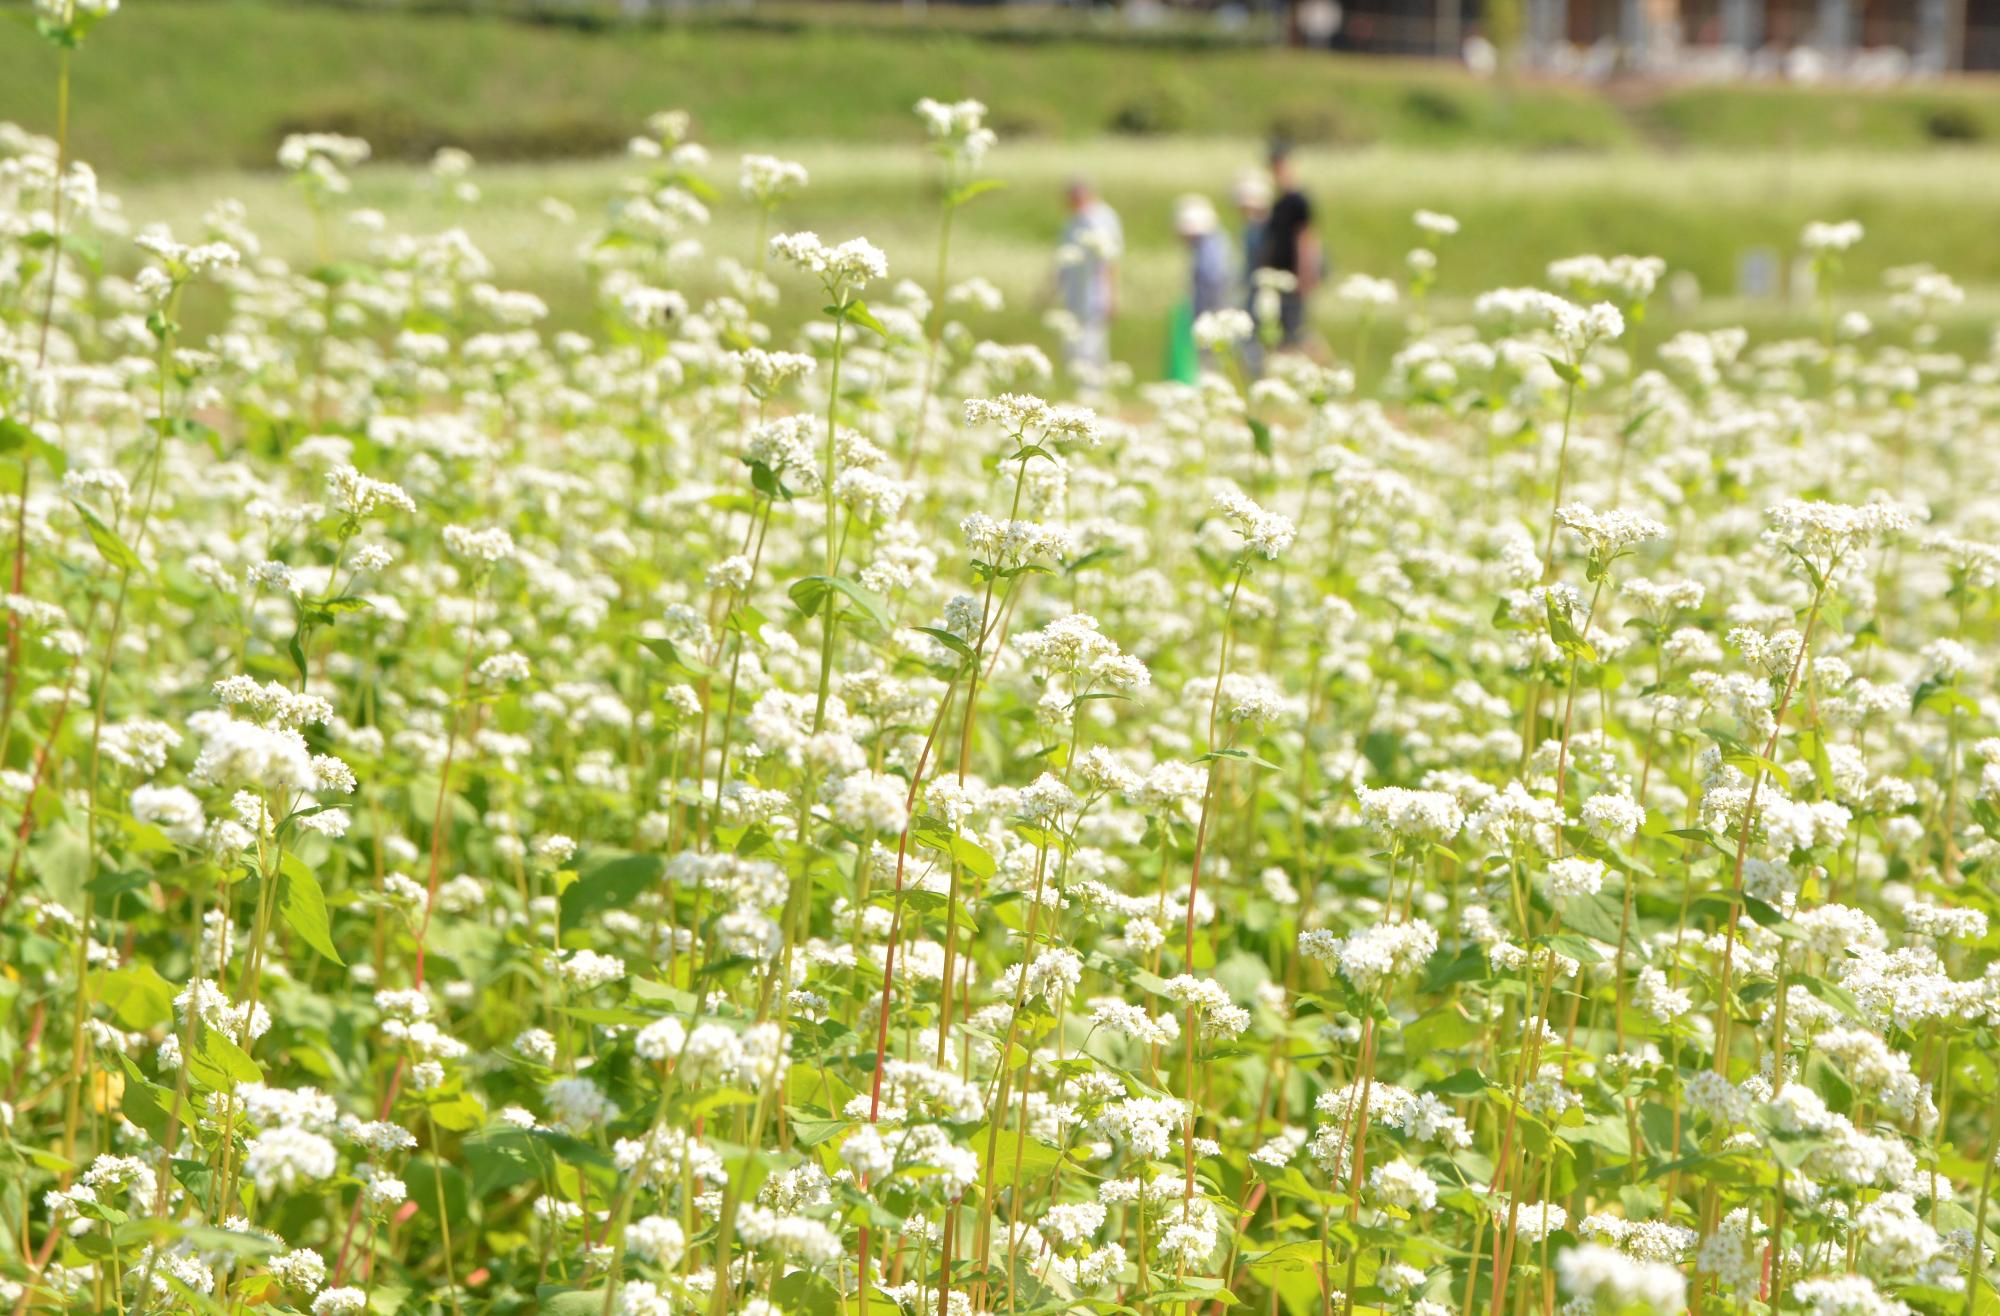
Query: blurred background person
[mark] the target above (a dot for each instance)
(1211, 284)
(1252, 195)
(1087, 270)
(1211, 272)
(1290, 250)
(1253, 209)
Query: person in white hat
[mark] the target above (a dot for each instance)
(1253, 205)
(1209, 282)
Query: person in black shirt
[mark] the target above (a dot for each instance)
(1290, 247)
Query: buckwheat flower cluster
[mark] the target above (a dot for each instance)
(958, 129)
(359, 496)
(1367, 291)
(1209, 1000)
(1373, 956)
(768, 180)
(587, 969)
(1607, 535)
(849, 266)
(1605, 1276)
(488, 545)
(1629, 279)
(1821, 237)
(1822, 534)
(1225, 328)
(1247, 698)
(66, 14)
(1574, 877)
(1401, 1184)
(1004, 544)
(1399, 814)
(1265, 533)
(1017, 414)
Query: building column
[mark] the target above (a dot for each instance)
(1548, 26)
(1649, 29)
(1743, 25)
(1450, 28)
(1940, 29)
(1835, 33)
(1633, 33)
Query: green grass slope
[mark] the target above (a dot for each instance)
(169, 86)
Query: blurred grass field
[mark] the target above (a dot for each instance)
(1697, 210)
(180, 102)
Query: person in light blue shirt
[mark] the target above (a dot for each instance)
(1253, 207)
(1087, 272)
(1211, 272)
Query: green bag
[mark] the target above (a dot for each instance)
(1183, 357)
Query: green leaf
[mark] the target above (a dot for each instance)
(1838, 997)
(1260, 437)
(972, 191)
(205, 1238)
(114, 549)
(857, 312)
(342, 604)
(1764, 914)
(1035, 1159)
(810, 1129)
(1745, 761)
(1446, 1028)
(1563, 631)
(947, 639)
(1700, 836)
(145, 1102)
(816, 592)
(1812, 745)
(16, 436)
(810, 594)
(1943, 696)
(1167, 1298)
(298, 652)
(1095, 557)
(1299, 1256)
(802, 1293)
(669, 653)
(425, 1175)
(302, 901)
(1446, 968)
(1464, 1083)
(1605, 1131)
(458, 1113)
(335, 273)
(1242, 754)
(220, 1064)
(972, 856)
(1594, 916)
(1581, 949)
(1566, 372)
(611, 884)
(502, 1156)
(136, 993)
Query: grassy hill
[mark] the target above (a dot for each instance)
(216, 85)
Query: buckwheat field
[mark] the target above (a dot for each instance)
(704, 817)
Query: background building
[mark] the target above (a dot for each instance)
(1803, 39)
